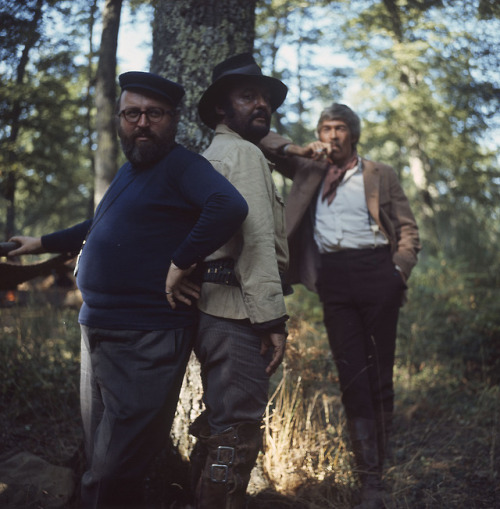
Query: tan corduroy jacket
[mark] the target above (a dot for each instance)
(385, 198)
(259, 249)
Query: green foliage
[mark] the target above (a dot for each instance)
(430, 107)
(44, 128)
(304, 305)
(39, 381)
(40, 359)
(291, 37)
(453, 319)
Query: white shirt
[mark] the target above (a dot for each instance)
(346, 222)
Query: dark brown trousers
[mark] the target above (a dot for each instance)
(361, 292)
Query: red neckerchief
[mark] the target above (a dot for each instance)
(334, 177)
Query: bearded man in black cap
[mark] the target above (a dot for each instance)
(164, 212)
(241, 338)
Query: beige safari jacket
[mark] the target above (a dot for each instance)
(259, 248)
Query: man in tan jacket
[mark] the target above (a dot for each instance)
(353, 240)
(241, 338)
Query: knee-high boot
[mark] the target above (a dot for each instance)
(229, 460)
(198, 457)
(363, 434)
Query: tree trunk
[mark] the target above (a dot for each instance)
(89, 101)
(189, 39)
(105, 96)
(11, 180)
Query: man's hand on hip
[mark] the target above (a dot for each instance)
(177, 287)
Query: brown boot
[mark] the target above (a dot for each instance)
(230, 457)
(363, 433)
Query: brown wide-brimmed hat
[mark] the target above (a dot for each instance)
(236, 69)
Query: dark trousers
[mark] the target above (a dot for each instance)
(235, 383)
(361, 292)
(130, 383)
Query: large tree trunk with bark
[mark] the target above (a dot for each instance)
(189, 39)
(105, 97)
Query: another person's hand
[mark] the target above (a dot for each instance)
(29, 245)
(318, 150)
(278, 342)
(177, 287)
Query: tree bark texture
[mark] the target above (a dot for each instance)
(189, 39)
(105, 97)
(89, 100)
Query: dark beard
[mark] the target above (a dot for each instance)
(145, 154)
(254, 133)
(249, 131)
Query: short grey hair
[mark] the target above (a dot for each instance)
(342, 112)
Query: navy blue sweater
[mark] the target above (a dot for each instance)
(181, 209)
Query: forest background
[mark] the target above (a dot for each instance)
(424, 77)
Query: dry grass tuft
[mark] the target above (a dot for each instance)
(303, 439)
(307, 457)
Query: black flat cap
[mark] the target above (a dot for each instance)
(233, 70)
(152, 83)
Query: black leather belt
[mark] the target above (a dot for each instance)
(354, 250)
(221, 272)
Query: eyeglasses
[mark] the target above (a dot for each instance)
(154, 115)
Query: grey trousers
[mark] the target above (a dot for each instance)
(130, 383)
(235, 383)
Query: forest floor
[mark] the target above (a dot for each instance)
(446, 454)
(446, 441)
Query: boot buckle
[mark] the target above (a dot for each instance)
(225, 455)
(219, 473)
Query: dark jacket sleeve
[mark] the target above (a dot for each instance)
(272, 146)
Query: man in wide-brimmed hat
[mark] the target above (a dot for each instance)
(241, 338)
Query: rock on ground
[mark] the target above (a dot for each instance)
(27, 481)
